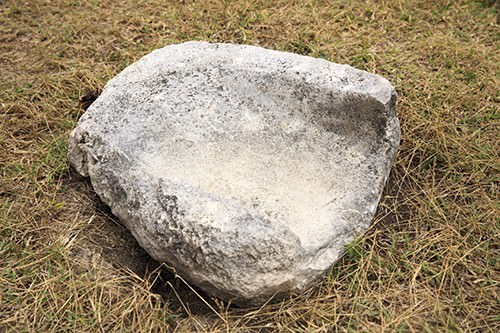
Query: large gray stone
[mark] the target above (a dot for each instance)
(247, 170)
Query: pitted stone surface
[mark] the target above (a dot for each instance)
(247, 170)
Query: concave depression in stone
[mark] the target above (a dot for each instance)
(247, 170)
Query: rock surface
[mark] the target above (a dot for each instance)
(247, 170)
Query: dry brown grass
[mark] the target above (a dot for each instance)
(429, 264)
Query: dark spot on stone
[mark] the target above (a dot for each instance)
(88, 97)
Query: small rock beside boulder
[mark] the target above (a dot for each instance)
(247, 170)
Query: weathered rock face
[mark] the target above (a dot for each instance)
(246, 169)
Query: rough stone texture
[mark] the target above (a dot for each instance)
(247, 170)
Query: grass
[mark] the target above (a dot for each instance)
(430, 263)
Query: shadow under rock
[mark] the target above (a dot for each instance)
(115, 247)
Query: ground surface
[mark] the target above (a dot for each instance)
(430, 262)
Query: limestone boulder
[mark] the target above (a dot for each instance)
(247, 170)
